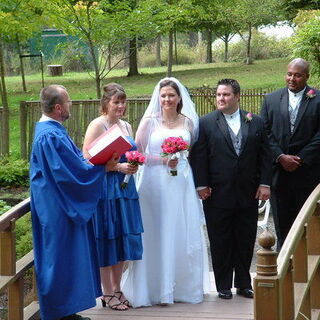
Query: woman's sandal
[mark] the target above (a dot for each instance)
(115, 306)
(124, 300)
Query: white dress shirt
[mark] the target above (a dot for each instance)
(46, 118)
(233, 121)
(295, 98)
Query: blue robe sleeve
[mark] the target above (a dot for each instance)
(60, 176)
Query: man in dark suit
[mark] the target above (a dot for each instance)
(232, 169)
(292, 119)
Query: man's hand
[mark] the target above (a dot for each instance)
(289, 162)
(204, 193)
(263, 193)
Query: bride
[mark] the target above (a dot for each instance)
(174, 266)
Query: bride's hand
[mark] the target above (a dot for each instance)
(173, 163)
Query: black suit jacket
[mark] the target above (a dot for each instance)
(234, 179)
(303, 142)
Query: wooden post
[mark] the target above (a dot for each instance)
(313, 231)
(8, 251)
(287, 294)
(314, 290)
(23, 130)
(300, 260)
(15, 303)
(305, 311)
(34, 285)
(266, 284)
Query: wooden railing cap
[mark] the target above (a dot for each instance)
(266, 239)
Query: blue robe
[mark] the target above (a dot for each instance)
(65, 190)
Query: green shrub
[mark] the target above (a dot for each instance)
(23, 235)
(4, 207)
(14, 172)
(186, 55)
(262, 47)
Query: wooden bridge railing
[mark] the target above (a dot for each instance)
(288, 287)
(12, 272)
(86, 110)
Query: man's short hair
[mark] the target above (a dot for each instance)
(230, 82)
(50, 96)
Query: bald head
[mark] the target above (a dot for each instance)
(299, 62)
(297, 75)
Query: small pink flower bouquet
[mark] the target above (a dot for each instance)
(248, 117)
(311, 94)
(174, 148)
(135, 158)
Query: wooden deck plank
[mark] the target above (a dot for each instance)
(238, 308)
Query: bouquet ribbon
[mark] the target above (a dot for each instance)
(181, 155)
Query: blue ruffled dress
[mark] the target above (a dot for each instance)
(118, 222)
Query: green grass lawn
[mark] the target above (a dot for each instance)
(261, 74)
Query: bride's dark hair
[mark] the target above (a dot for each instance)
(172, 84)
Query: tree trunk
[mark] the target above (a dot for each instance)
(158, 51)
(175, 46)
(170, 54)
(226, 48)
(96, 68)
(126, 52)
(133, 61)
(5, 119)
(248, 53)
(109, 56)
(21, 65)
(209, 46)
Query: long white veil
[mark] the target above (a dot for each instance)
(153, 115)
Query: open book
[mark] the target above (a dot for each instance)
(110, 142)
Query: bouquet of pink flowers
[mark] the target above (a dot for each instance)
(174, 148)
(135, 158)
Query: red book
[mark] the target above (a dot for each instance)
(110, 142)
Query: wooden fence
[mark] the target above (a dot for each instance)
(85, 110)
(288, 287)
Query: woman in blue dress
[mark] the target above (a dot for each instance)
(118, 223)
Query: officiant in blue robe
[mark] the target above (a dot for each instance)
(65, 190)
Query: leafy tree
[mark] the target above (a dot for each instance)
(306, 42)
(103, 24)
(169, 16)
(291, 7)
(212, 17)
(250, 14)
(18, 19)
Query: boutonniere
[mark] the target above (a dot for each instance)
(248, 117)
(311, 94)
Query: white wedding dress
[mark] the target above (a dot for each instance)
(174, 266)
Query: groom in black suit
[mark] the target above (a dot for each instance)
(292, 120)
(232, 169)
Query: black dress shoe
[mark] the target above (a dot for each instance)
(225, 294)
(247, 292)
(75, 317)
